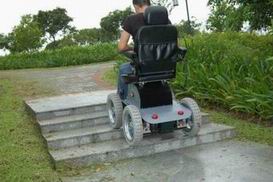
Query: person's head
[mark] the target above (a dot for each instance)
(141, 5)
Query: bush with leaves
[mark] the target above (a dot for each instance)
(233, 70)
(67, 56)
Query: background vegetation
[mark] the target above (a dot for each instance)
(67, 56)
(232, 70)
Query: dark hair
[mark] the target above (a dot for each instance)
(142, 2)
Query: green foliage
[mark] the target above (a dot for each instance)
(271, 28)
(87, 36)
(67, 56)
(112, 22)
(233, 70)
(53, 22)
(225, 16)
(67, 41)
(185, 28)
(245, 130)
(3, 42)
(258, 13)
(27, 36)
(82, 37)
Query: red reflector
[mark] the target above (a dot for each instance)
(155, 116)
(180, 113)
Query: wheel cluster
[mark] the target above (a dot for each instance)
(131, 122)
(129, 118)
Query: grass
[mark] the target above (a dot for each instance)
(110, 77)
(23, 155)
(246, 130)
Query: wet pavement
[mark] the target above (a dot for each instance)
(227, 161)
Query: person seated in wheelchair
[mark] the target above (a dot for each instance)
(144, 101)
(130, 27)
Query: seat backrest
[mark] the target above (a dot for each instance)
(156, 46)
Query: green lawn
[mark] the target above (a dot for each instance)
(23, 154)
(246, 130)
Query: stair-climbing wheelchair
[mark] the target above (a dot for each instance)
(144, 102)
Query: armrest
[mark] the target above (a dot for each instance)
(181, 53)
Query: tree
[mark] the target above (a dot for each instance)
(27, 36)
(64, 42)
(88, 36)
(112, 22)
(82, 37)
(225, 16)
(186, 28)
(271, 28)
(3, 42)
(54, 22)
(258, 13)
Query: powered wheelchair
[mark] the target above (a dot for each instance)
(146, 104)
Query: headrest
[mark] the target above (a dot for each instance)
(156, 15)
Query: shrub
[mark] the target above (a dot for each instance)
(67, 56)
(234, 70)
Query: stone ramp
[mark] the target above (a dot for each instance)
(76, 130)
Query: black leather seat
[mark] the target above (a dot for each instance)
(156, 48)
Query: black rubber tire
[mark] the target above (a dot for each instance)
(114, 108)
(136, 119)
(196, 116)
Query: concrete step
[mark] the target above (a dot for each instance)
(64, 106)
(74, 122)
(68, 105)
(205, 118)
(83, 121)
(118, 149)
(82, 136)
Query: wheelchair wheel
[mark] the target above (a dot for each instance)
(194, 123)
(132, 125)
(114, 108)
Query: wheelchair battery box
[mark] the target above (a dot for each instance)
(167, 127)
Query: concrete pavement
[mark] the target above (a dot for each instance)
(227, 161)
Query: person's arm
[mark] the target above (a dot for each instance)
(123, 42)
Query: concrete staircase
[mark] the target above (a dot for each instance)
(76, 130)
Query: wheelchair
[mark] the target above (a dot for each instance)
(148, 105)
